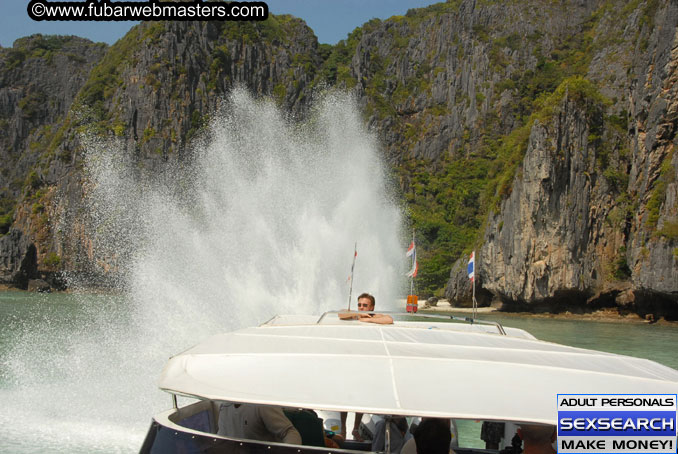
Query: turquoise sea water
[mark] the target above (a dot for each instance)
(68, 385)
(60, 387)
(655, 342)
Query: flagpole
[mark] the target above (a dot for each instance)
(350, 291)
(471, 271)
(412, 302)
(412, 277)
(475, 303)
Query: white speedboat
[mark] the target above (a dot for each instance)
(476, 371)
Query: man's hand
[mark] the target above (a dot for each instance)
(348, 316)
(380, 319)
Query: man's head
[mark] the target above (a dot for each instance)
(433, 436)
(401, 423)
(365, 302)
(533, 434)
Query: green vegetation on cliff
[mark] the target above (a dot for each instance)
(454, 91)
(106, 77)
(36, 46)
(450, 196)
(449, 206)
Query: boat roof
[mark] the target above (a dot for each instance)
(410, 368)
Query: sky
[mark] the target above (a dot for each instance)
(331, 20)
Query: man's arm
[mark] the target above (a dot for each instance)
(381, 319)
(348, 316)
(278, 424)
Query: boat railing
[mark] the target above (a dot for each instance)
(455, 318)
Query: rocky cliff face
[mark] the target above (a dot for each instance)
(433, 80)
(39, 79)
(652, 243)
(157, 86)
(552, 238)
(153, 91)
(450, 89)
(19, 259)
(591, 217)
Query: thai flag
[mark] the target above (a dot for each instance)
(470, 269)
(355, 254)
(412, 252)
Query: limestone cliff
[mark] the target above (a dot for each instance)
(540, 133)
(591, 217)
(450, 89)
(153, 91)
(40, 77)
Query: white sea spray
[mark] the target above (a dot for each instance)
(261, 220)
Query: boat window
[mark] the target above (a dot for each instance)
(317, 429)
(485, 435)
(200, 421)
(494, 436)
(197, 416)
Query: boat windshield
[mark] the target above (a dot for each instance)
(443, 321)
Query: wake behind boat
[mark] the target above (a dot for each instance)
(489, 372)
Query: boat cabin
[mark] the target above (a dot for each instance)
(464, 370)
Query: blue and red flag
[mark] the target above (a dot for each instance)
(412, 252)
(470, 269)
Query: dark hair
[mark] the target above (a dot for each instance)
(368, 296)
(433, 436)
(400, 422)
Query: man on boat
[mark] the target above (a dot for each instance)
(257, 422)
(366, 304)
(398, 432)
(433, 436)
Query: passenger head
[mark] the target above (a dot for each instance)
(433, 436)
(536, 435)
(401, 423)
(365, 302)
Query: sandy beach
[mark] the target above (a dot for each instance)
(602, 315)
